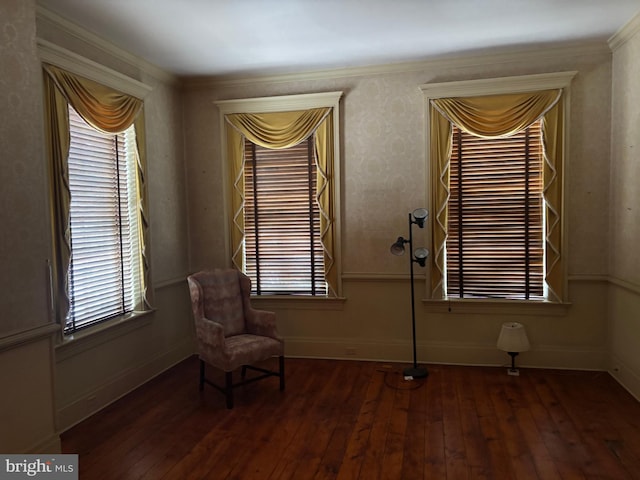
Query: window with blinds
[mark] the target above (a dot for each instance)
(104, 277)
(283, 252)
(494, 247)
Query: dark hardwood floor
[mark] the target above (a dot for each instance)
(362, 420)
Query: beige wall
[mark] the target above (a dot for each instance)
(383, 171)
(624, 300)
(48, 386)
(26, 403)
(24, 243)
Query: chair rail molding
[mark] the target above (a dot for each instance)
(16, 339)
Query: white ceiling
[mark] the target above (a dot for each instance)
(241, 37)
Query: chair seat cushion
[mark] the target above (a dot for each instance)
(245, 349)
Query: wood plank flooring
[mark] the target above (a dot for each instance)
(362, 420)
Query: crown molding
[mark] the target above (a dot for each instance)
(283, 103)
(625, 33)
(493, 86)
(515, 55)
(74, 63)
(78, 32)
(469, 59)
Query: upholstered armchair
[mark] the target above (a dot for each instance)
(230, 334)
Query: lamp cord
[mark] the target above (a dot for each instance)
(416, 384)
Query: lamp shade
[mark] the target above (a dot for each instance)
(398, 247)
(421, 253)
(420, 215)
(513, 338)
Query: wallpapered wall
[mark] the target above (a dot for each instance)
(26, 404)
(625, 194)
(624, 300)
(383, 178)
(24, 241)
(384, 160)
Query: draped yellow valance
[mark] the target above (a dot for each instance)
(279, 130)
(109, 111)
(494, 116)
(101, 107)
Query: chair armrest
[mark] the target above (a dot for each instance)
(209, 332)
(262, 322)
(210, 344)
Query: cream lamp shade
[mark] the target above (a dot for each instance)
(513, 338)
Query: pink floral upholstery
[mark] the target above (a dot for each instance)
(230, 333)
(221, 299)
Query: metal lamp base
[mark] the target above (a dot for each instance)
(415, 372)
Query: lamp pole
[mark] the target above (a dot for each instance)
(420, 255)
(413, 301)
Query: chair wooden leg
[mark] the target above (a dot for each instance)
(229, 389)
(281, 359)
(201, 385)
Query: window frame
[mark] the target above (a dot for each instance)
(498, 86)
(285, 103)
(126, 195)
(52, 54)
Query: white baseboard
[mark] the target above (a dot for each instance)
(626, 376)
(130, 379)
(591, 358)
(48, 445)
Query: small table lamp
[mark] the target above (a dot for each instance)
(513, 340)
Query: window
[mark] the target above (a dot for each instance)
(496, 150)
(104, 275)
(100, 268)
(495, 236)
(283, 175)
(283, 248)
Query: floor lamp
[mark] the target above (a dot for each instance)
(418, 256)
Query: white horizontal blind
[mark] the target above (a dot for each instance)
(104, 273)
(494, 246)
(283, 252)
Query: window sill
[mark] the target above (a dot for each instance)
(498, 307)
(297, 302)
(90, 337)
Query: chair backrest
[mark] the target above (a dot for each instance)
(216, 294)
